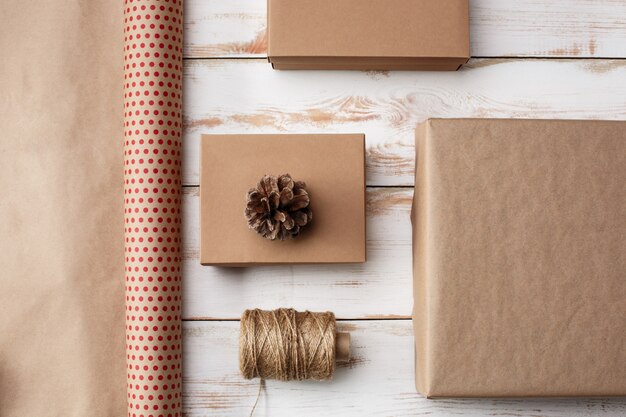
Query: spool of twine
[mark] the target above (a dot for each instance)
(287, 345)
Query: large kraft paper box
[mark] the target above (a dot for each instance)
(519, 231)
(333, 168)
(368, 34)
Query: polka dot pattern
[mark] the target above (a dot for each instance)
(152, 196)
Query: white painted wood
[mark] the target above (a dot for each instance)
(381, 287)
(532, 28)
(224, 28)
(378, 382)
(247, 96)
(545, 28)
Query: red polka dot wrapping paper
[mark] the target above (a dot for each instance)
(153, 32)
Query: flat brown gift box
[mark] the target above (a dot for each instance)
(368, 34)
(333, 168)
(520, 258)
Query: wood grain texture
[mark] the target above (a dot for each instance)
(247, 96)
(377, 382)
(381, 287)
(512, 28)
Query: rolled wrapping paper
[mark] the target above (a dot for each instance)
(152, 177)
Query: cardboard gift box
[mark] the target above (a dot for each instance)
(519, 231)
(368, 34)
(333, 168)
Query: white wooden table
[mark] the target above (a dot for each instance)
(533, 59)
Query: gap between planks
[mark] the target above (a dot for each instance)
(499, 58)
(367, 186)
(339, 319)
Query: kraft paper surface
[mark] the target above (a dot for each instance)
(153, 62)
(520, 258)
(61, 229)
(333, 168)
(76, 79)
(368, 34)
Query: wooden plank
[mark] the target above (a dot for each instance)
(378, 382)
(247, 96)
(381, 287)
(522, 28)
(225, 28)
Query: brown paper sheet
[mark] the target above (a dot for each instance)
(520, 258)
(61, 228)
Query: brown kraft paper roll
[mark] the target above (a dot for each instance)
(61, 244)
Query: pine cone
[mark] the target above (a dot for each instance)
(278, 207)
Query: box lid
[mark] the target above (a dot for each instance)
(368, 28)
(332, 166)
(520, 258)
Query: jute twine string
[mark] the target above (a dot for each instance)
(287, 345)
